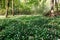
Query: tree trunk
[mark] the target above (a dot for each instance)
(56, 4)
(13, 7)
(52, 7)
(6, 8)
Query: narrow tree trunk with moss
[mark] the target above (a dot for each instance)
(56, 4)
(13, 7)
(52, 7)
(6, 8)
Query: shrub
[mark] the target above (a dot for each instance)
(29, 28)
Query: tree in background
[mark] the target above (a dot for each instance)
(7, 6)
(56, 5)
(52, 7)
(13, 7)
(27, 6)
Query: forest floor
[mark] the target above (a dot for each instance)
(29, 25)
(16, 16)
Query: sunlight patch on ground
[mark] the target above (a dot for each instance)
(17, 16)
(2, 17)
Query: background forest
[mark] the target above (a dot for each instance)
(26, 6)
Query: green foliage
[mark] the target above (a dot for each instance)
(30, 28)
(2, 11)
(2, 4)
(26, 7)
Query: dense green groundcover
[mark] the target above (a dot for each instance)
(30, 28)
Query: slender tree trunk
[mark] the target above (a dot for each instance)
(6, 8)
(56, 4)
(13, 7)
(52, 7)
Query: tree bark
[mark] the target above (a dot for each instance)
(13, 7)
(56, 4)
(6, 8)
(52, 7)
